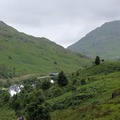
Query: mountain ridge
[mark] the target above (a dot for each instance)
(103, 41)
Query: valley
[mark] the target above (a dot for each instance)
(82, 87)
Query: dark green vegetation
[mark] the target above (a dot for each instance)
(97, 60)
(62, 79)
(104, 41)
(22, 54)
(92, 93)
(30, 102)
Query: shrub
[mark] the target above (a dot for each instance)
(83, 82)
(37, 112)
(46, 85)
(73, 88)
(57, 92)
(116, 93)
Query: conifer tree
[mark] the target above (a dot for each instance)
(62, 79)
(97, 60)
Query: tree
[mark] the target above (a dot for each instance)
(37, 112)
(46, 85)
(35, 96)
(97, 60)
(62, 79)
(15, 103)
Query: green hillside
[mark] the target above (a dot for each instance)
(104, 41)
(27, 54)
(97, 98)
(79, 92)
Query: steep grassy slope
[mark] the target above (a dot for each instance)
(100, 107)
(102, 69)
(28, 54)
(104, 41)
(92, 101)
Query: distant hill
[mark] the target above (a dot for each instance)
(104, 41)
(27, 54)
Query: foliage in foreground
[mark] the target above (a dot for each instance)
(88, 95)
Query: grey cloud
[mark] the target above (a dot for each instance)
(63, 21)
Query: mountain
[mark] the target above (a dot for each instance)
(26, 54)
(104, 41)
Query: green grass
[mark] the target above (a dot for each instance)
(100, 106)
(7, 114)
(102, 69)
(98, 112)
(29, 54)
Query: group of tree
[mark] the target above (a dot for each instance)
(30, 102)
(31, 105)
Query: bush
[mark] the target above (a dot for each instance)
(46, 85)
(74, 82)
(4, 98)
(116, 93)
(37, 112)
(57, 92)
(83, 82)
(73, 88)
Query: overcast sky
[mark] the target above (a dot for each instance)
(61, 21)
